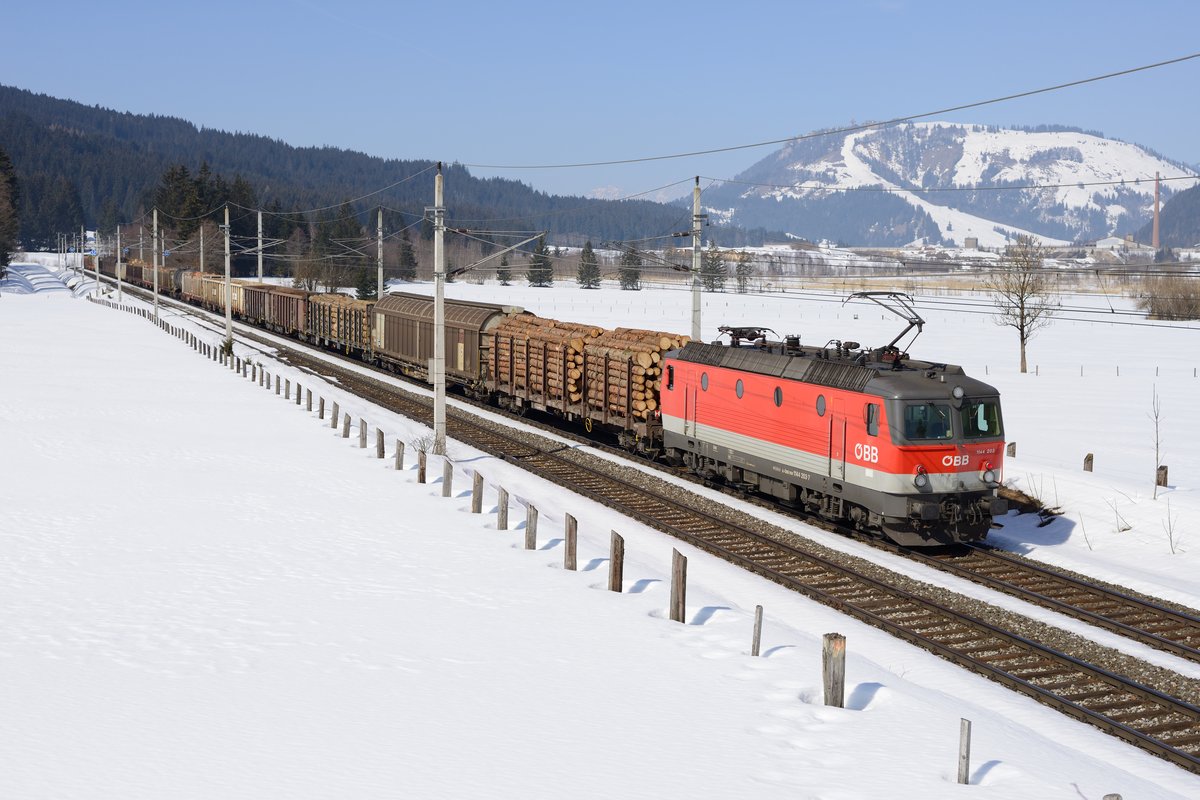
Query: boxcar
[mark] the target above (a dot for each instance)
(403, 336)
(286, 310)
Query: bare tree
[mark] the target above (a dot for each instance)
(1156, 418)
(1021, 290)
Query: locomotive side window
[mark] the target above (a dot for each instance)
(928, 421)
(739, 388)
(981, 418)
(670, 376)
(820, 405)
(704, 381)
(871, 415)
(778, 396)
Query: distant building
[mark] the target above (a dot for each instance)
(971, 243)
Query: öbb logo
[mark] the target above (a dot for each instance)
(956, 461)
(866, 452)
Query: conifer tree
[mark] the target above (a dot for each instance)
(712, 270)
(10, 196)
(630, 272)
(408, 259)
(742, 272)
(540, 272)
(503, 273)
(588, 275)
(366, 284)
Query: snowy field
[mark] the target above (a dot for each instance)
(207, 593)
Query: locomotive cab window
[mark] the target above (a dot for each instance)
(928, 421)
(871, 416)
(981, 418)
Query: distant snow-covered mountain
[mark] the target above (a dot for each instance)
(945, 182)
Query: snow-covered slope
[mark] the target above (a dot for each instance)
(966, 180)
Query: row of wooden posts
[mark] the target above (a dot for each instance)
(833, 650)
(1160, 472)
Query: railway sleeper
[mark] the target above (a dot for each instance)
(1079, 697)
(1181, 742)
(1144, 709)
(1181, 725)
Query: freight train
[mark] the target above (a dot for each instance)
(866, 437)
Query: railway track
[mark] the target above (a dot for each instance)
(1153, 720)
(1136, 618)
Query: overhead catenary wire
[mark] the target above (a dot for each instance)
(849, 128)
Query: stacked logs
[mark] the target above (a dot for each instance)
(572, 363)
(534, 352)
(624, 369)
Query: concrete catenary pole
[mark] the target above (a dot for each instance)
(260, 247)
(696, 231)
(438, 373)
(155, 265)
(97, 261)
(119, 268)
(228, 284)
(379, 256)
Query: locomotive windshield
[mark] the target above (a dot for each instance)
(928, 421)
(981, 418)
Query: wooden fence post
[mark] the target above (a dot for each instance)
(571, 534)
(276, 384)
(399, 455)
(531, 518)
(1087, 463)
(346, 427)
(257, 374)
(333, 418)
(833, 664)
(1012, 449)
(616, 563)
(379, 443)
(420, 466)
(297, 394)
(477, 493)
(287, 389)
(320, 408)
(678, 585)
(964, 751)
(1160, 476)
(362, 434)
(502, 509)
(756, 640)
(447, 477)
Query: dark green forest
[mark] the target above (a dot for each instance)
(91, 166)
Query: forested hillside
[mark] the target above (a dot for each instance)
(86, 165)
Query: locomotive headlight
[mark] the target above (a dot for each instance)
(958, 392)
(989, 474)
(921, 479)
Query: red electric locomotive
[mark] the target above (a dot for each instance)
(869, 437)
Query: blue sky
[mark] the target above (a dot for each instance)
(525, 83)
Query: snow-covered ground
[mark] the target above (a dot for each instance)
(206, 592)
